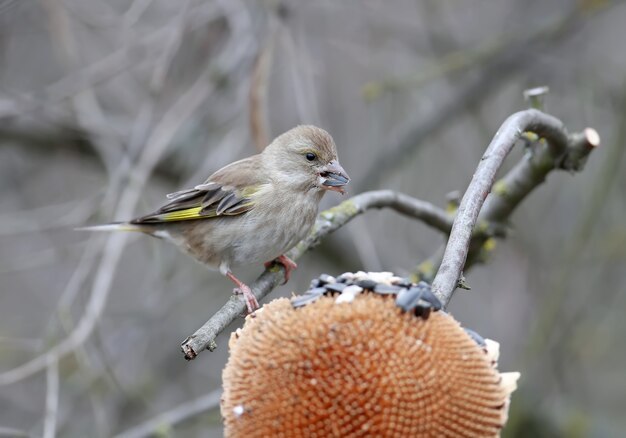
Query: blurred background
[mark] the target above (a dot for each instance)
(105, 106)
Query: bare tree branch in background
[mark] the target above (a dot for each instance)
(14, 433)
(52, 400)
(550, 345)
(235, 55)
(105, 68)
(83, 135)
(259, 84)
(114, 246)
(500, 63)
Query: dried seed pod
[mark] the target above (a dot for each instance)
(363, 368)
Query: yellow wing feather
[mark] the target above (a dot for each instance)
(181, 215)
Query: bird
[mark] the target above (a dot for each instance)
(252, 210)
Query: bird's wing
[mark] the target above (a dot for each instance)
(228, 192)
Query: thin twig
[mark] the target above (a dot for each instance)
(162, 67)
(174, 416)
(106, 67)
(259, 84)
(134, 12)
(550, 327)
(494, 74)
(455, 255)
(327, 222)
(48, 217)
(13, 433)
(52, 400)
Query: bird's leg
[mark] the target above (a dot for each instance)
(251, 303)
(287, 263)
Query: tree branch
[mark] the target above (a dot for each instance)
(562, 151)
(327, 222)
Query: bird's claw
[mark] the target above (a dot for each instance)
(287, 263)
(243, 289)
(251, 302)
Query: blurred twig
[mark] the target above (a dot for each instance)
(84, 361)
(259, 84)
(460, 59)
(135, 11)
(106, 67)
(87, 109)
(165, 60)
(13, 433)
(156, 146)
(301, 68)
(78, 85)
(327, 222)
(550, 329)
(46, 217)
(35, 259)
(52, 400)
(511, 59)
(174, 416)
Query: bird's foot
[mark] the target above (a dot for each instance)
(287, 263)
(243, 289)
(251, 302)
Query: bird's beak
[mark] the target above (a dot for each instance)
(333, 177)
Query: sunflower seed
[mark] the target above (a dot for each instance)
(383, 288)
(366, 284)
(335, 287)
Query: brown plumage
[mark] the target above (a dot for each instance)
(253, 210)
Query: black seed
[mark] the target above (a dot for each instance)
(476, 337)
(343, 278)
(422, 311)
(308, 297)
(430, 297)
(383, 288)
(366, 284)
(315, 283)
(417, 291)
(336, 287)
(325, 279)
(303, 300)
(407, 299)
(403, 282)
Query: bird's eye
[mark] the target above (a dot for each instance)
(310, 156)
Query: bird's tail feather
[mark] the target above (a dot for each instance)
(115, 226)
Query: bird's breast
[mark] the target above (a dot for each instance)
(274, 227)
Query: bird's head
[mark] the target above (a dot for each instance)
(305, 157)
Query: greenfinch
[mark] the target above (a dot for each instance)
(250, 211)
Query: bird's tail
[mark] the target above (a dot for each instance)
(115, 226)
